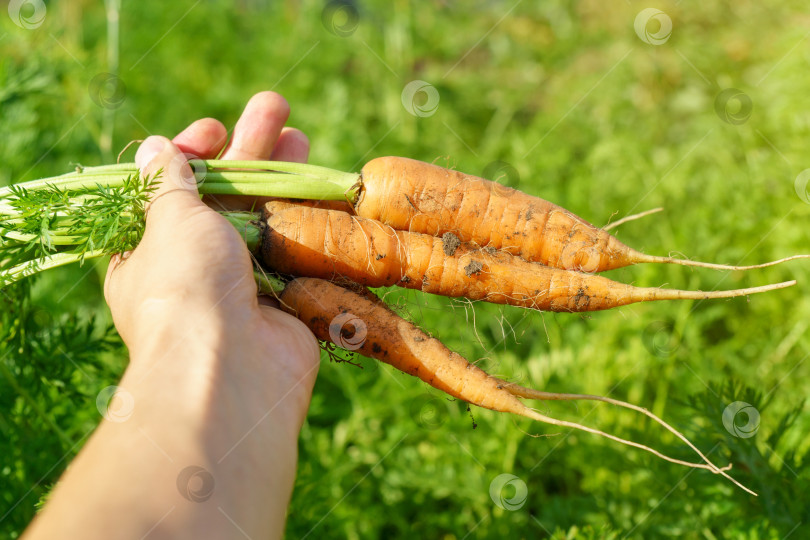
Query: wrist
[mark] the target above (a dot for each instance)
(189, 411)
(156, 322)
(220, 366)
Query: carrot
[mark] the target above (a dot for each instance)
(390, 339)
(337, 315)
(328, 244)
(410, 195)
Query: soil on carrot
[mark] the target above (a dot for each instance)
(473, 268)
(450, 243)
(581, 299)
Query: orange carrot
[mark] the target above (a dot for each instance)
(341, 316)
(329, 244)
(410, 195)
(380, 333)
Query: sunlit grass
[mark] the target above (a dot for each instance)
(587, 115)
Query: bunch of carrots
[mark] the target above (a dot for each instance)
(323, 236)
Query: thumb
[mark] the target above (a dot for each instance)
(159, 156)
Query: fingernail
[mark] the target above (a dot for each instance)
(148, 150)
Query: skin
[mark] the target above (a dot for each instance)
(217, 379)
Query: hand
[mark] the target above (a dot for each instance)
(218, 382)
(192, 270)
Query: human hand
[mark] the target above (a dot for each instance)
(218, 383)
(190, 278)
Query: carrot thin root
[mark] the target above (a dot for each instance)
(644, 258)
(632, 217)
(529, 393)
(653, 293)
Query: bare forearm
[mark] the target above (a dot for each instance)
(202, 453)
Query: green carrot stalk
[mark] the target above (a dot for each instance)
(96, 211)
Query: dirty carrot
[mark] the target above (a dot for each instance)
(335, 314)
(414, 196)
(328, 244)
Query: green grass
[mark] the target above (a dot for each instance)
(587, 115)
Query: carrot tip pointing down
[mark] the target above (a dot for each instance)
(530, 393)
(397, 342)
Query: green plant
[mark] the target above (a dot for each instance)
(603, 127)
(97, 211)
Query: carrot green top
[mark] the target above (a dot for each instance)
(94, 211)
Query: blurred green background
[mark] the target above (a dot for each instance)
(597, 106)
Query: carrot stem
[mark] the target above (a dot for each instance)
(216, 176)
(303, 169)
(52, 261)
(272, 186)
(267, 284)
(247, 224)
